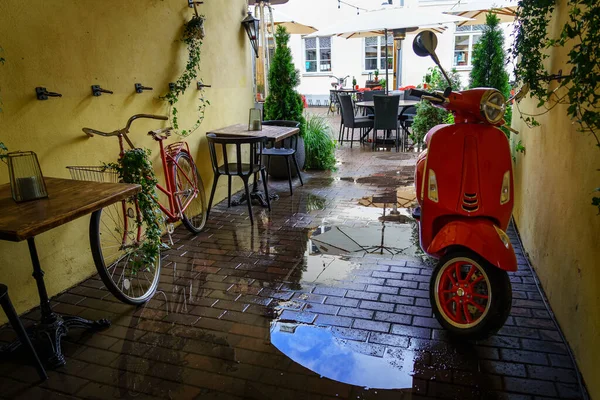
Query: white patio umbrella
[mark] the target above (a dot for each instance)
(388, 19)
(477, 11)
(293, 26)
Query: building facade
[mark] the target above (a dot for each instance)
(319, 59)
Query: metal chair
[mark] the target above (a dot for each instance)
(349, 120)
(407, 117)
(386, 116)
(285, 151)
(10, 312)
(244, 170)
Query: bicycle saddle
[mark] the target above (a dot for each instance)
(161, 134)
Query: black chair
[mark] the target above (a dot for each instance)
(386, 116)
(287, 150)
(407, 117)
(239, 168)
(351, 121)
(368, 96)
(10, 312)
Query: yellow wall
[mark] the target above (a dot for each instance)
(69, 45)
(559, 227)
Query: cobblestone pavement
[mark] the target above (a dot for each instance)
(317, 301)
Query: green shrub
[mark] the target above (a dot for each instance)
(429, 116)
(283, 102)
(318, 143)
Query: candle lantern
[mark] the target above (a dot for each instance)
(26, 179)
(255, 120)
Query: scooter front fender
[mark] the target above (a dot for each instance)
(480, 236)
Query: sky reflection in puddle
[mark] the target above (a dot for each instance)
(317, 349)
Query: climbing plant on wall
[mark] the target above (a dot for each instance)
(193, 34)
(577, 85)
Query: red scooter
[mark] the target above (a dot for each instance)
(464, 183)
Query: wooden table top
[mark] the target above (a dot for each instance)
(274, 133)
(403, 103)
(67, 200)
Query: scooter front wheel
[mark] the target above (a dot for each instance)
(470, 297)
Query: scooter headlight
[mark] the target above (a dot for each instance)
(505, 191)
(432, 187)
(493, 106)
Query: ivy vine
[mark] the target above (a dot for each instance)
(135, 167)
(193, 34)
(579, 86)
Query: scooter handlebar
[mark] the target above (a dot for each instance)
(431, 96)
(418, 93)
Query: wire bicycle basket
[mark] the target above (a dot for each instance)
(94, 173)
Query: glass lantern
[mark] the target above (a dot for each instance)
(255, 120)
(26, 179)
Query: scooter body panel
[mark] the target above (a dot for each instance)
(479, 235)
(469, 161)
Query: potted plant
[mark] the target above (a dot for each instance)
(376, 75)
(354, 84)
(320, 146)
(283, 101)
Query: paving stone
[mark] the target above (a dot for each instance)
(530, 386)
(523, 356)
(377, 306)
(355, 313)
(362, 295)
(342, 301)
(393, 317)
(411, 331)
(371, 325)
(552, 374)
(388, 298)
(391, 340)
(334, 320)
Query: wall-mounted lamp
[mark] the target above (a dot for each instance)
(251, 26)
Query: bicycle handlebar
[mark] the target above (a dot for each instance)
(91, 132)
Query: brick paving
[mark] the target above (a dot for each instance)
(206, 334)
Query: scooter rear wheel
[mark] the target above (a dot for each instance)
(470, 297)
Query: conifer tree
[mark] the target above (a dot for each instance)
(489, 57)
(283, 101)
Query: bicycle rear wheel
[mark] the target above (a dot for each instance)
(120, 255)
(186, 180)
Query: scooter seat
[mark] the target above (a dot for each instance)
(416, 213)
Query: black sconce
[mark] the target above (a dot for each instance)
(251, 26)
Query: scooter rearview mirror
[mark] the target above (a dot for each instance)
(425, 44)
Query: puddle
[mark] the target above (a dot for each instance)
(404, 197)
(356, 363)
(393, 235)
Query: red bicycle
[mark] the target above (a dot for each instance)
(117, 233)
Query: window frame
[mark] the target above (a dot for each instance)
(318, 59)
(474, 30)
(380, 49)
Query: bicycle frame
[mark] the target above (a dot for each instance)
(168, 159)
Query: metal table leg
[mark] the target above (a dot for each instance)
(52, 327)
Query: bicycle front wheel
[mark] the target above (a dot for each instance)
(189, 191)
(127, 266)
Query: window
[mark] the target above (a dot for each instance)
(317, 54)
(464, 41)
(375, 53)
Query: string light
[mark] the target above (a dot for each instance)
(351, 5)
